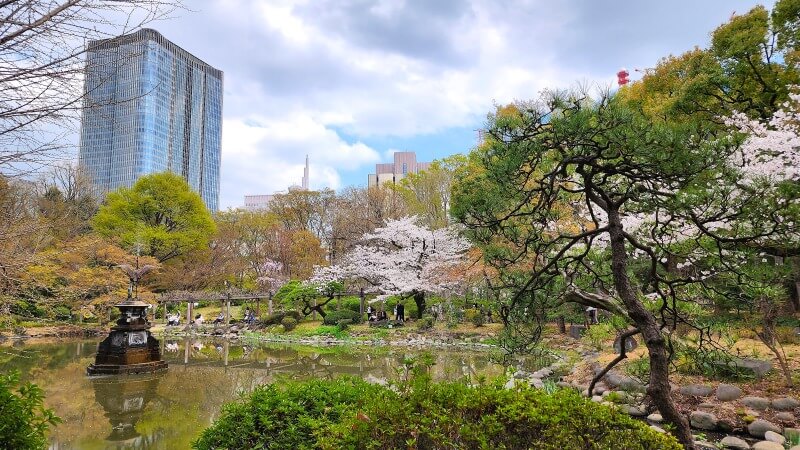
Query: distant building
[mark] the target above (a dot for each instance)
(150, 106)
(262, 201)
(404, 163)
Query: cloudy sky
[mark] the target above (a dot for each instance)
(348, 81)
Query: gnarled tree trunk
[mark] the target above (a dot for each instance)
(659, 388)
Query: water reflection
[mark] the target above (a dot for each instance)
(168, 410)
(124, 400)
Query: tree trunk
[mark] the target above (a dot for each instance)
(658, 388)
(419, 299)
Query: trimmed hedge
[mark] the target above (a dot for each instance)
(334, 317)
(276, 318)
(289, 323)
(351, 413)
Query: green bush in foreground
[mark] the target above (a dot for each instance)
(349, 413)
(24, 420)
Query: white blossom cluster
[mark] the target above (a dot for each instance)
(399, 258)
(772, 148)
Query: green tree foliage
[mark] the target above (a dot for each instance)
(307, 297)
(427, 194)
(351, 413)
(24, 420)
(160, 214)
(749, 67)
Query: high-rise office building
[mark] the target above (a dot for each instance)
(404, 163)
(151, 106)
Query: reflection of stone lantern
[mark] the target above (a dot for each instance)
(124, 401)
(130, 347)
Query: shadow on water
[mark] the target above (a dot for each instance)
(168, 410)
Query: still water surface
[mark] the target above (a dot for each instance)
(168, 410)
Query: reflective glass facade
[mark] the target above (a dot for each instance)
(150, 106)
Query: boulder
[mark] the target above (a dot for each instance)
(757, 403)
(655, 417)
(760, 426)
(637, 411)
(703, 420)
(732, 442)
(767, 445)
(785, 404)
(657, 429)
(696, 390)
(785, 416)
(624, 382)
(703, 445)
(728, 392)
(774, 437)
(630, 344)
(747, 366)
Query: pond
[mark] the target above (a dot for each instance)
(168, 410)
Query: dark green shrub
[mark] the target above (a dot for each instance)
(351, 413)
(289, 323)
(24, 420)
(426, 323)
(343, 324)
(277, 317)
(62, 313)
(334, 317)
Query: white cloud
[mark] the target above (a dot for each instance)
(261, 155)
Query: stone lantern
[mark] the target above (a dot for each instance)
(130, 347)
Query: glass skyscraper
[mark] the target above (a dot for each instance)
(150, 106)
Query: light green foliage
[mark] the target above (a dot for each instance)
(427, 194)
(351, 413)
(475, 316)
(160, 213)
(24, 420)
(597, 335)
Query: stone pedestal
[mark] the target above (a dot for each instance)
(130, 347)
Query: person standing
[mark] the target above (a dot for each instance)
(401, 312)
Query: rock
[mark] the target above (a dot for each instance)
(657, 428)
(655, 417)
(759, 426)
(630, 344)
(510, 384)
(703, 420)
(624, 382)
(576, 331)
(785, 416)
(767, 445)
(537, 383)
(703, 445)
(696, 390)
(774, 437)
(757, 403)
(563, 384)
(705, 406)
(728, 392)
(520, 375)
(747, 366)
(732, 442)
(785, 404)
(597, 398)
(637, 411)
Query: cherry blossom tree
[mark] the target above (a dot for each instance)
(401, 258)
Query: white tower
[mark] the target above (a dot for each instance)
(305, 176)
